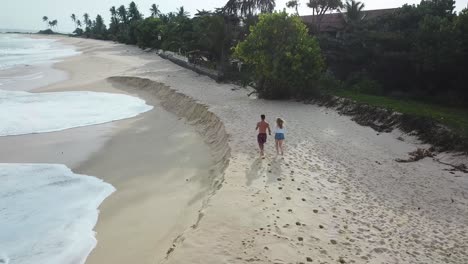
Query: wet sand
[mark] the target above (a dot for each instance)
(156, 162)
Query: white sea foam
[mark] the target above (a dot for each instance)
(47, 213)
(20, 50)
(26, 113)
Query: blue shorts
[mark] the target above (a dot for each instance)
(279, 136)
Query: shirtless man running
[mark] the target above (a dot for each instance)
(262, 128)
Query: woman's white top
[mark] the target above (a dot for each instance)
(280, 130)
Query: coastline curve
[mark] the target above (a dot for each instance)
(206, 123)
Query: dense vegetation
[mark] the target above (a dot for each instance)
(287, 60)
(416, 53)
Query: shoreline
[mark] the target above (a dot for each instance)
(121, 153)
(337, 195)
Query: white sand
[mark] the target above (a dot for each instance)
(338, 194)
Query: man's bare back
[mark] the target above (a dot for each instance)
(263, 126)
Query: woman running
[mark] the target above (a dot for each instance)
(279, 135)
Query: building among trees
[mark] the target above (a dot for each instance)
(334, 23)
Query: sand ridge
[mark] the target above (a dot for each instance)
(338, 196)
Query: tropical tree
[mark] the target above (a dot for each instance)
(53, 23)
(265, 6)
(114, 24)
(148, 33)
(353, 15)
(231, 7)
(213, 37)
(73, 18)
(133, 13)
(287, 61)
(249, 7)
(134, 19)
(182, 13)
(122, 14)
(99, 29)
(293, 4)
(320, 8)
(46, 20)
(86, 20)
(155, 12)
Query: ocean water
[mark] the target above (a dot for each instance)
(25, 62)
(26, 113)
(47, 213)
(18, 50)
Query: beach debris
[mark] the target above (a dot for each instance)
(418, 154)
(309, 259)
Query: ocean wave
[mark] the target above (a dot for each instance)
(47, 213)
(26, 113)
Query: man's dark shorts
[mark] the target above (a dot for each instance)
(261, 138)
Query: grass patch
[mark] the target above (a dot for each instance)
(454, 118)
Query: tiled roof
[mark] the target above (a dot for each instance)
(334, 21)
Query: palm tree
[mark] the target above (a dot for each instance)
(293, 4)
(73, 18)
(53, 23)
(46, 19)
(247, 7)
(231, 7)
(133, 13)
(78, 23)
(86, 21)
(353, 14)
(155, 10)
(265, 6)
(181, 12)
(122, 13)
(113, 11)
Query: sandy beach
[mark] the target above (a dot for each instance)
(191, 187)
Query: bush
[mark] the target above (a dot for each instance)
(46, 32)
(147, 33)
(287, 62)
(361, 83)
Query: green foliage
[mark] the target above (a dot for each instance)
(249, 8)
(46, 32)
(418, 51)
(287, 61)
(454, 118)
(147, 33)
(366, 85)
(177, 32)
(99, 29)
